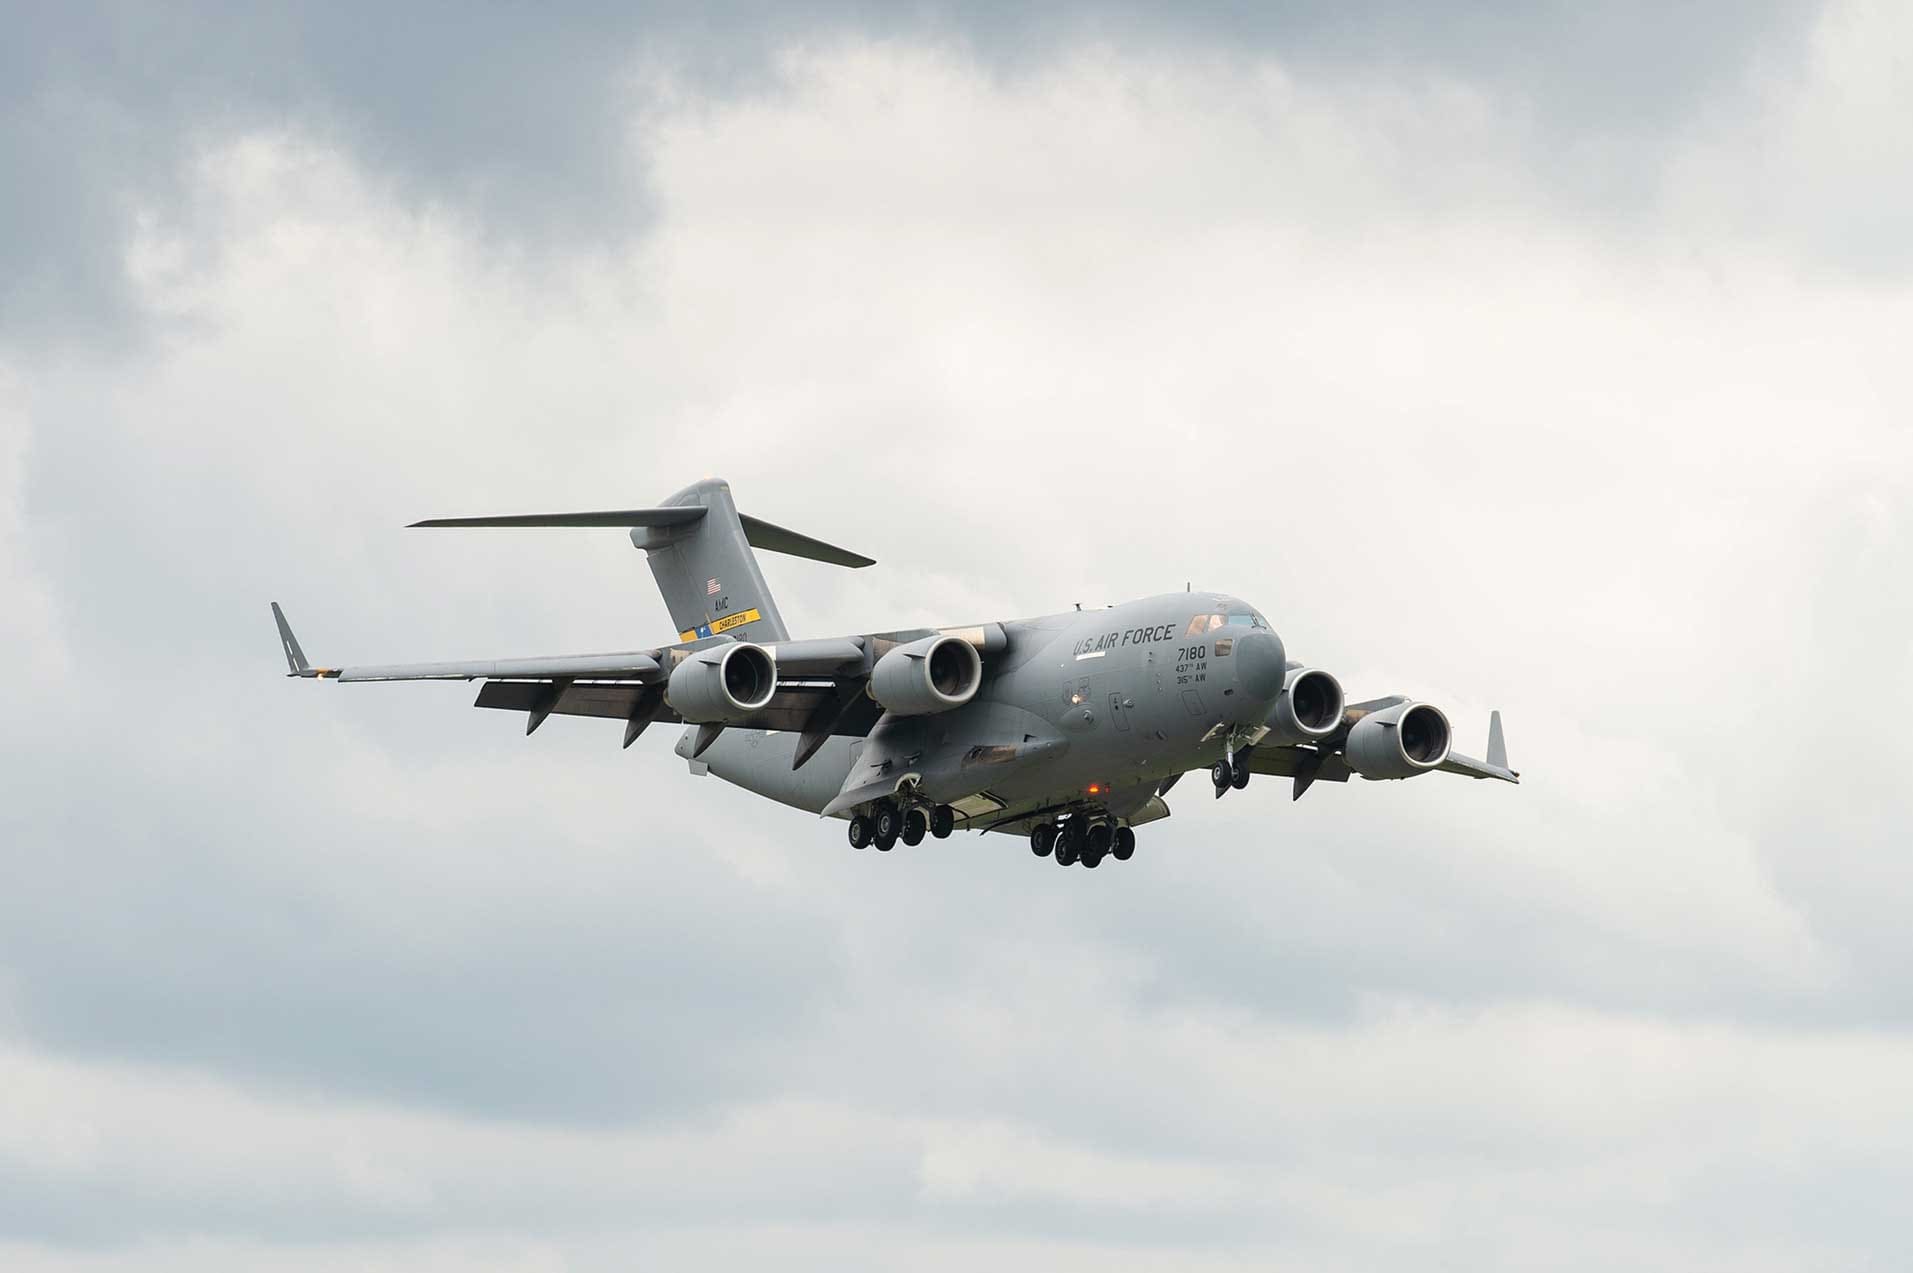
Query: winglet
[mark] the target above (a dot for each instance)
(296, 664)
(1497, 746)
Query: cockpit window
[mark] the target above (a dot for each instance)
(1212, 622)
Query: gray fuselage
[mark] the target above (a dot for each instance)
(1082, 711)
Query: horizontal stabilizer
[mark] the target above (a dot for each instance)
(679, 516)
(776, 539)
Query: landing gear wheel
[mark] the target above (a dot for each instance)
(1125, 844)
(1096, 843)
(942, 821)
(916, 825)
(1092, 860)
(1043, 839)
(1222, 774)
(1240, 778)
(887, 823)
(1069, 843)
(859, 831)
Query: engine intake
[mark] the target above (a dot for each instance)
(1398, 742)
(1309, 708)
(931, 675)
(723, 683)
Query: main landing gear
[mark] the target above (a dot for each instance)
(1079, 839)
(885, 823)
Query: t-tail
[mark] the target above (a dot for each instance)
(699, 548)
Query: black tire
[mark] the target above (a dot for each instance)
(1042, 839)
(859, 831)
(1221, 775)
(1096, 841)
(1125, 845)
(1069, 842)
(942, 821)
(1240, 778)
(1092, 860)
(916, 825)
(886, 822)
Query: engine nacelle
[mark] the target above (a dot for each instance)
(1310, 708)
(931, 675)
(723, 683)
(1398, 742)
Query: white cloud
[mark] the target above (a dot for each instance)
(1075, 334)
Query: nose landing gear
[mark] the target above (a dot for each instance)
(1230, 773)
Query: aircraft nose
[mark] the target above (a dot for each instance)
(1261, 665)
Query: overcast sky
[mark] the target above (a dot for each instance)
(1553, 361)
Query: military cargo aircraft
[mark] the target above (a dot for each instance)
(1069, 729)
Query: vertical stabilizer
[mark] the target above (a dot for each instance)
(707, 572)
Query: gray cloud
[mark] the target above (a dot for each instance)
(1326, 340)
(522, 118)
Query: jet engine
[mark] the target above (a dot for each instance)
(724, 683)
(1398, 742)
(1310, 708)
(931, 675)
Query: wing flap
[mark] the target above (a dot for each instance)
(1286, 762)
(610, 701)
(793, 708)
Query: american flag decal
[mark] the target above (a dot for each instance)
(712, 588)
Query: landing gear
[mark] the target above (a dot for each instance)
(887, 824)
(1096, 842)
(1085, 838)
(916, 824)
(860, 831)
(1069, 843)
(942, 821)
(1226, 775)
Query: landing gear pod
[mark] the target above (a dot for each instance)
(724, 683)
(931, 675)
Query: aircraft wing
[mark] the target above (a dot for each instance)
(1323, 760)
(820, 684)
(1496, 766)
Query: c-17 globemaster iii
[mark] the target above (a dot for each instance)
(1068, 729)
